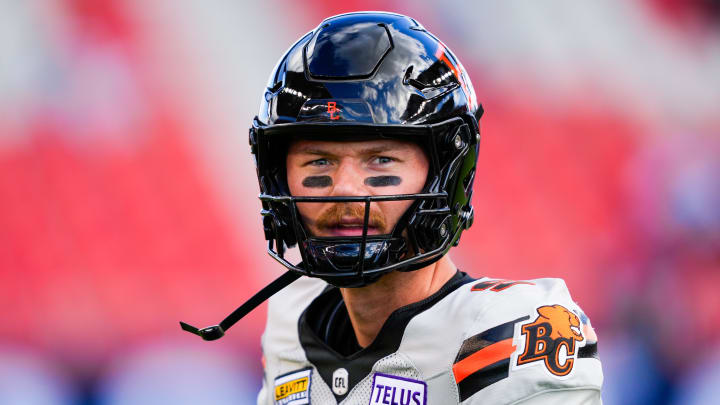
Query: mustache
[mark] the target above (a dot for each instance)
(335, 214)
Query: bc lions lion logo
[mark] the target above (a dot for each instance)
(552, 337)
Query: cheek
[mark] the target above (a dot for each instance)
(307, 211)
(421, 167)
(294, 183)
(416, 184)
(393, 210)
(412, 176)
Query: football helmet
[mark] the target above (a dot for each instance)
(360, 75)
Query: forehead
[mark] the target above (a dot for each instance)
(355, 147)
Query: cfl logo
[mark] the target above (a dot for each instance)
(340, 381)
(332, 109)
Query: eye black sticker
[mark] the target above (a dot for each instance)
(383, 181)
(317, 181)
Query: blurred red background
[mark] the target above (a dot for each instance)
(128, 196)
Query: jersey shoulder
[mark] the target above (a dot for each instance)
(496, 300)
(527, 338)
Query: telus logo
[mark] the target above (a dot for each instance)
(392, 390)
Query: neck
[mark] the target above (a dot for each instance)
(370, 306)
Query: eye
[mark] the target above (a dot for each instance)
(383, 160)
(318, 162)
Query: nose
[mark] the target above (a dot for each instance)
(348, 179)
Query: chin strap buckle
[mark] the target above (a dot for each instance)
(217, 331)
(210, 333)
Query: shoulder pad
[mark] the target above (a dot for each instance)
(529, 337)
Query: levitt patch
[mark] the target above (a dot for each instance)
(293, 388)
(393, 390)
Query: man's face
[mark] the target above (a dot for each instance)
(376, 167)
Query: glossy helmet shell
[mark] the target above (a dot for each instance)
(380, 75)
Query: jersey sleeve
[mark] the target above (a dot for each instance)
(262, 397)
(530, 344)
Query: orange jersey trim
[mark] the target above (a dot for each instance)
(483, 358)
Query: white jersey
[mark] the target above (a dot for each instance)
(479, 341)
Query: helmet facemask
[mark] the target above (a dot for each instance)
(424, 233)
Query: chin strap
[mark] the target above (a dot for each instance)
(217, 331)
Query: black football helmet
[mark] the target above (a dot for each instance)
(358, 75)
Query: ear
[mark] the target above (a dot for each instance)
(546, 312)
(563, 310)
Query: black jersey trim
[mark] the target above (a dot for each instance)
(484, 339)
(590, 350)
(489, 374)
(483, 377)
(359, 364)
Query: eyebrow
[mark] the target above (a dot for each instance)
(313, 150)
